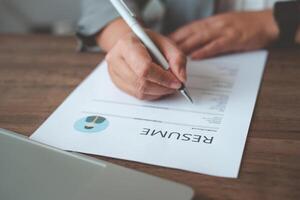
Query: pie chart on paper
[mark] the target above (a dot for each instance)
(91, 124)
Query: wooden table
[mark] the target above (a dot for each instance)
(38, 72)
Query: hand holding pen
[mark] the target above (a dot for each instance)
(132, 67)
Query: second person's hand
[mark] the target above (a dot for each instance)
(224, 33)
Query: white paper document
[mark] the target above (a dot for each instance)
(205, 137)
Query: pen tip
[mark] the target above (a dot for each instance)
(187, 96)
(190, 99)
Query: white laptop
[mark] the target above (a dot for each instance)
(33, 171)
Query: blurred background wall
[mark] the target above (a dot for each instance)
(54, 16)
(60, 16)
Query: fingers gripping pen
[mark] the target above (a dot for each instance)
(130, 19)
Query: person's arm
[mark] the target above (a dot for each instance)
(95, 16)
(108, 37)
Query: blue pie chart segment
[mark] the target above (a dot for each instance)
(91, 124)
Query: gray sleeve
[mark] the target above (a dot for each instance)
(95, 15)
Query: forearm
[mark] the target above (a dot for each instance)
(108, 37)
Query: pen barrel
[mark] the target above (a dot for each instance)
(128, 17)
(124, 12)
(154, 50)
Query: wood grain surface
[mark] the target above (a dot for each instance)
(37, 72)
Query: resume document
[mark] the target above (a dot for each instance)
(205, 137)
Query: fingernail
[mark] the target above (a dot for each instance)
(193, 56)
(175, 85)
(197, 56)
(183, 75)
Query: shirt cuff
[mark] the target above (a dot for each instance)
(95, 16)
